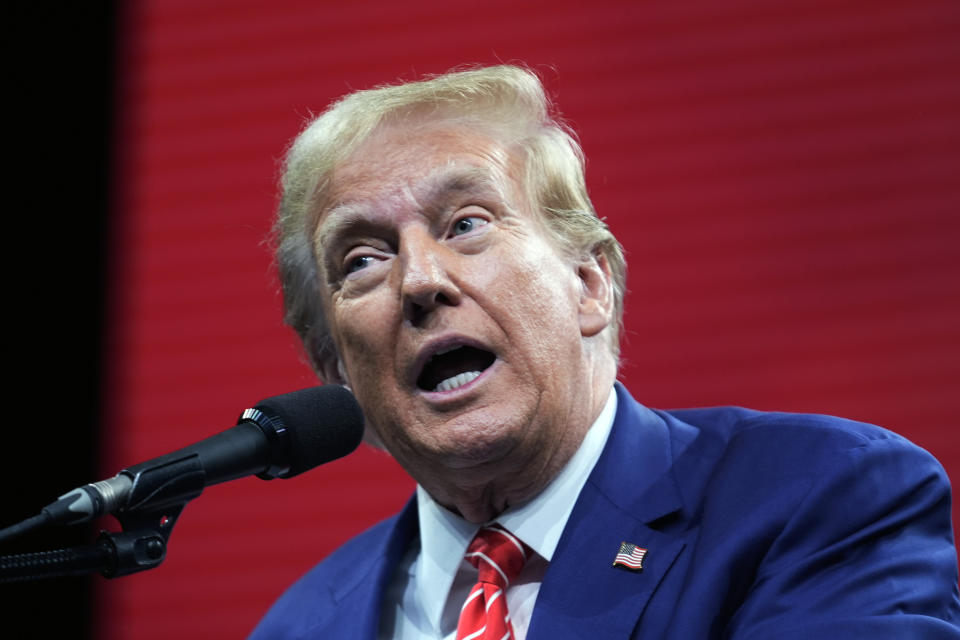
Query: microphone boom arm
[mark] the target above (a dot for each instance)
(153, 494)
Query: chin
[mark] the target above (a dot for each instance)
(477, 448)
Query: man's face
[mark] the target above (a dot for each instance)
(456, 319)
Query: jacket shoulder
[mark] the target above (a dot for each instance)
(801, 513)
(780, 435)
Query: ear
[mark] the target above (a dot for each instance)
(596, 294)
(332, 371)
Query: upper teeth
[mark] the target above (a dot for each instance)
(447, 350)
(457, 381)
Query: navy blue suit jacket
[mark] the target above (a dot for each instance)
(757, 525)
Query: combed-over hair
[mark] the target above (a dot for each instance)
(506, 98)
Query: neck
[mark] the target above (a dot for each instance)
(479, 494)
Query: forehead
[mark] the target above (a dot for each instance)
(421, 159)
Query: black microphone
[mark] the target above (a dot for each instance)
(280, 437)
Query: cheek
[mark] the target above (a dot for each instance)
(538, 296)
(361, 334)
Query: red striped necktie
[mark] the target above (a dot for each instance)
(498, 557)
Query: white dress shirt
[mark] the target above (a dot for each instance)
(433, 580)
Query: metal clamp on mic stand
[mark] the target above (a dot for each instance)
(158, 492)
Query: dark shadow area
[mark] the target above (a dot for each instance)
(60, 112)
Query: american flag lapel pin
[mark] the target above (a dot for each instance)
(630, 556)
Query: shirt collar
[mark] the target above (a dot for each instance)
(444, 536)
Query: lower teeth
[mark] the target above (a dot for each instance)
(457, 381)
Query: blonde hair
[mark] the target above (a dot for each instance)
(507, 98)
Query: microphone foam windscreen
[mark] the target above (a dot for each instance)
(324, 423)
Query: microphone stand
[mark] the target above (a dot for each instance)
(140, 546)
(161, 488)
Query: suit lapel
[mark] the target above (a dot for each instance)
(359, 596)
(582, 594)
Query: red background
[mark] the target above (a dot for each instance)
(783, 175)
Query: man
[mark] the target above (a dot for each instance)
(440, 256)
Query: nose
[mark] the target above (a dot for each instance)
(426, 283)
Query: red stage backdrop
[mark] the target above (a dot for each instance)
(783, 175)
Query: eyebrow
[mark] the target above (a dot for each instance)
(451, 181)
(442, 185)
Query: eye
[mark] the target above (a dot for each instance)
(467, 224)
(359, 262)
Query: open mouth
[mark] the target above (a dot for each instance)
(453, 368)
